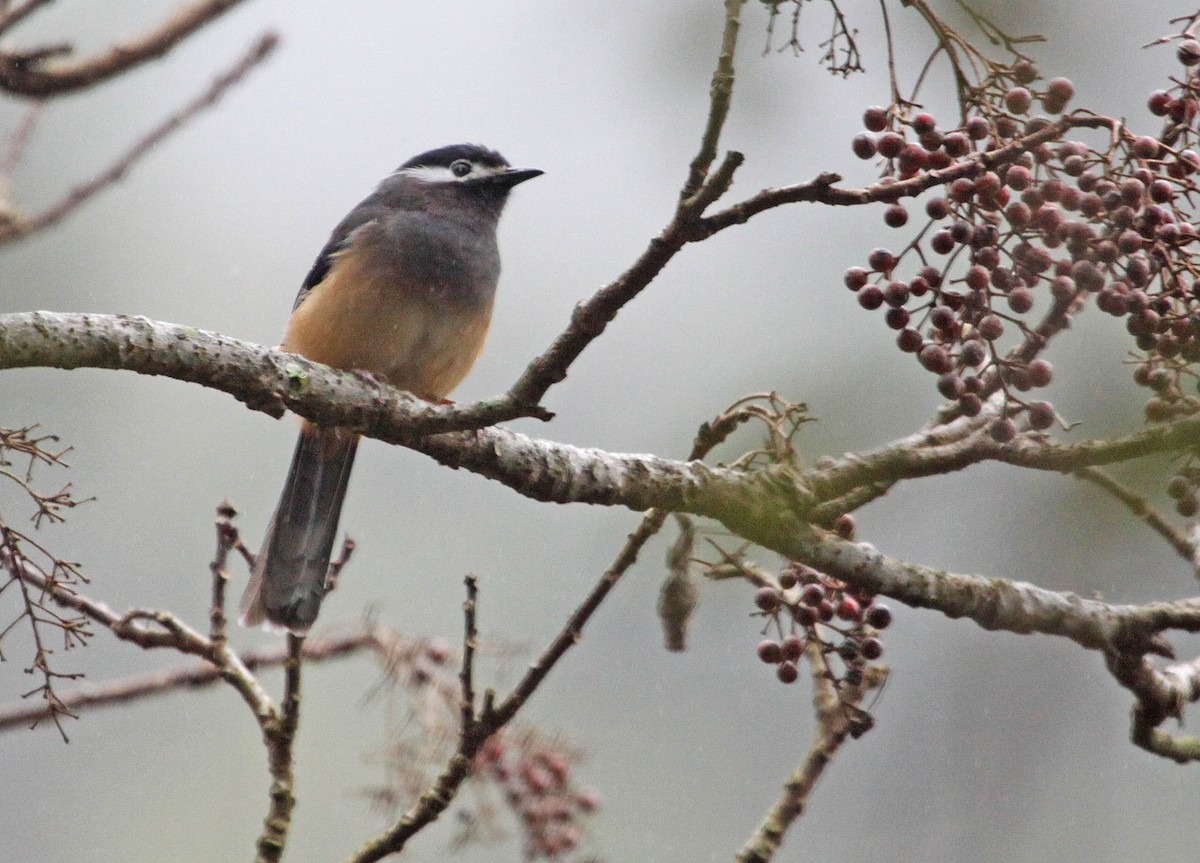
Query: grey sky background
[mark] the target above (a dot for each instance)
(988, 747)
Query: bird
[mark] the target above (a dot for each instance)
(402, 292)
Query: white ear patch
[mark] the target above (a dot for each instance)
(443, 174)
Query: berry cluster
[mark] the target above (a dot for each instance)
(536, 780)
(815, 609)
(1054, 223)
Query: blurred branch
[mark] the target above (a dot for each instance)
(17, 227)
(1161, 696)
(111, 693)
(835, 711)
(28, 72)
(1143, 510)
(9, 18)
(480, 726)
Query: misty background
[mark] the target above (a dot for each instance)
(987, 746)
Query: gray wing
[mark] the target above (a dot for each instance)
(367, 211)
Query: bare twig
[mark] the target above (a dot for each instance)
(720, 96)
(470, 642)
(112, 693)
(13, 16)
(22, 72)
(120, 167)
(279, 734)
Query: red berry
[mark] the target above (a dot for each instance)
(991, 327)
(896, 318)
(805, 615)
(1020, 300)
(889, 145)
(767, 599)
(976, 277)
(1003, 430)
(855, 278)
(979, 128)
(792, 647)
(1024, 72)
(881, 260)
(1018, 177)
(895, 216)
(936, 359)
(875, 118)
(849, 609)
(1188, 52)
(1018, 100)
(1182, 110)
(1041, 372)
(879, 616)
(941, 318)
(1061, 88)
(870, 297)
(770, 652)
(956, 144)
(962, 190)
(950, 386)
(1158, 103)
(812, 594)
(863, 145)
(1041, 415)
(970, 405)
(1145, 147)
(871, 648)
(913, 158)
(942, 243)
(787, 672)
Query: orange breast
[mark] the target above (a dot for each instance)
(362, 317)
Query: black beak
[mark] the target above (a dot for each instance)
(513, 176)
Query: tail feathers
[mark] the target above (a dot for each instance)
(288, 581)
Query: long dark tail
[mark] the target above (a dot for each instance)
(288, 581)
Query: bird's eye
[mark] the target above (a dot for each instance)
(461, 168)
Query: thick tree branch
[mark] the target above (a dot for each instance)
(771, 507)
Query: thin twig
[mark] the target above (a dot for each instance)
(720, 96)
(191, 677)
(279, 734)
(11, 17)
(470, 642)
(1142, 509)
(121, 166)
(22, 74)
